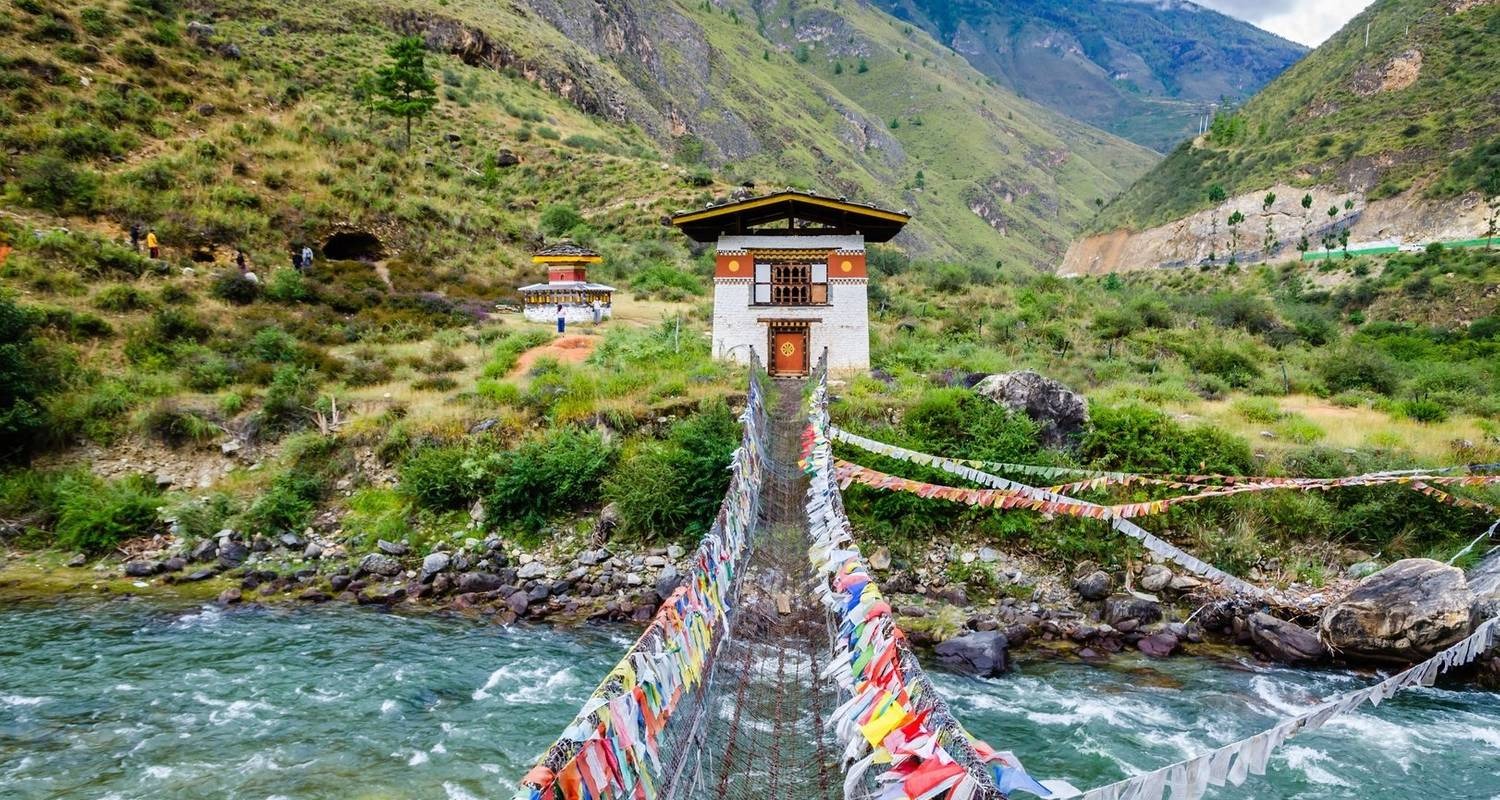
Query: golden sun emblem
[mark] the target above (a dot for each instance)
(788, 349)
(847, 266)
(734, 266)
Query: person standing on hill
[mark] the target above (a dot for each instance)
(239, 260)
(307, 256)
(296, 259)
(135, 236)
(152, 245)
(562, 319)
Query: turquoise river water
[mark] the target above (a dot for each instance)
(132, 700)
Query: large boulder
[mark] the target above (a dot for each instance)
(1285, 641)
(1484, 582)
(1403, 613)
(1061, 412)
(379, 564)
(981, 653)
(1128, 608)
(1095, 585)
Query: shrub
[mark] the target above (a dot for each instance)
(663, 279)
(121, 297)
(376, 514)
(559, 218)
(1258, 409)
(52, 183)
(1137, 438)
(177, 426)
(960, 421)
(1233, 366)
(560, 470)
(199, 517)
(287, 286)
(1422, 410)
(287, 504)
(232, 287)
(94, 516)
(450, 476)
(1359, 368)
(1299, 429)
(292, 392)
(27, 373)
(509, 351)
(673, 489)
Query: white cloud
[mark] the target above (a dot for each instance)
(1305, 21)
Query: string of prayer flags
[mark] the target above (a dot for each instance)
(1023, 496)
(611, 749)
(1234, 763)
(893, 716)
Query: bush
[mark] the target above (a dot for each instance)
(1234, 367)
(292, 392)
(1136, 438)
(177, 426)
(960, 421)
(560, 470)
(94, 516)
(450, 476)
(376, 514)
(1299, 429)
(287, 286)
(1359, 368)
(1258, 409)
(52, 183)
(121, 297)
(1422, 410)
(27, 373)
(232, 287)
(673, 489)
(559, 218)
(663, 279)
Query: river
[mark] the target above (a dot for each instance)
(124, 699)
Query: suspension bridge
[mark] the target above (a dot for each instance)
(777, 670)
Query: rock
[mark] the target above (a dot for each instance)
(479, 582)
(77, 560)
(1155, 577)
(173, 564)
(506, 158)
(539, 592)
(518, 602)
(590, 558)
(230, 596)
(989, 555)
(1128, 625)
(433, 564)
(139, 569)
(339, 582)
(968, 557)
(1484, 582)
(230, 50)
(981, 653)
(1285, 641)
(1094, 586)
(1062, 412)
(634, 579)
(259, 544)
(391, 548)
(1184, 583)
(532, 571)
(1405, 612)
(206, 109)
(655, 562)
(880, 559)
(1120, 607)
(233, 554)
(675, 551)
(1362, 570)
(200, 575)
(292, 541)
(314, 596)
(312, 552)
(380, 564)
(668, 582)
(1158, 645)
(204, 550)
(200, 30)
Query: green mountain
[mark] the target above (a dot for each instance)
(1412, 113)
(1147, 71)
(592, 98)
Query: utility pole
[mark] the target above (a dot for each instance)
(1367, 35)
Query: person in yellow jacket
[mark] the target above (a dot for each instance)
(151, 244)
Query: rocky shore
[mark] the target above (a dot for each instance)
(973, 607)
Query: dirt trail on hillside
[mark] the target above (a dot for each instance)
(566, 349)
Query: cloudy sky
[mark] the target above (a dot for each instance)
(1305, 21)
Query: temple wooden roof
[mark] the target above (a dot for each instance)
(804, 212)
(566, 252)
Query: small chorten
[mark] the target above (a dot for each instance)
(567, 287)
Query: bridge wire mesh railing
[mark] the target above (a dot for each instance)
(632, 737)
(831, 532)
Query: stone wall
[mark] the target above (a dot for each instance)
(575, 314)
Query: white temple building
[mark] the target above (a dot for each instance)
(790, 278)
(567, 286)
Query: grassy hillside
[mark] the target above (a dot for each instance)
(1144, 71)
(1415, 109)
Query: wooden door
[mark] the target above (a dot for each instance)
(789, 351)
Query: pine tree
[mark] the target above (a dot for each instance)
(405, 88)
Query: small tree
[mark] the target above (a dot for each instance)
(1265, 209)
(1236, 219)
(367, 93)
(1330, 237)
(404, 87)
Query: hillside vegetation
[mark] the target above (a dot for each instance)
(1414, 110)
(1146, 71)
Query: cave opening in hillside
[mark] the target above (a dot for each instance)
(353, 246)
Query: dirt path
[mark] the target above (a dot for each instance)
(567, 349)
